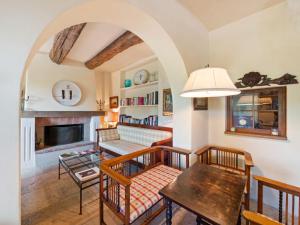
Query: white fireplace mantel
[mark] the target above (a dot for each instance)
(27, 132)
(27, 142)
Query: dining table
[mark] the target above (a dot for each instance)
(212, 194)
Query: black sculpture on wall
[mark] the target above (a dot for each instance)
(256, 79)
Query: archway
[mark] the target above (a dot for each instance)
(133, 19)
(20, 30)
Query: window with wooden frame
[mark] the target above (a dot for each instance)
(258, 112)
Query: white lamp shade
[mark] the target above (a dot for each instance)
(209, 82)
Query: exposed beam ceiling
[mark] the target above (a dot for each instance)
(126, 58)
(122, 43)
(64, 41)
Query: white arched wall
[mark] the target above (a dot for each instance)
(23, 21)
(133, 19)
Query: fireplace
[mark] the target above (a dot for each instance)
(63, 134)
(32, 131)
(55, 131)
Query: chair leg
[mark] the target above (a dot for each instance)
(198, 220)
(101, 213)
(246, 206)
(80, 199)
(247, 202)
(59, 170)
(239, 222)
(168, 212)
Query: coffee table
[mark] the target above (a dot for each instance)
(214, 195)
(85, 162)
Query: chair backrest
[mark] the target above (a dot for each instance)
(142, 135)
(227, 158)
(108, 134)
(289, 199)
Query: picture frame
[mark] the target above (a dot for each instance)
(114, 102)
(200, 104)
(167, 102)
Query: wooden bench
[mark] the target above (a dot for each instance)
(130, 189)
(128, 138)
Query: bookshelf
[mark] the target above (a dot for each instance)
(139, 103)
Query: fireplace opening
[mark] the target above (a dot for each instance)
(63, 134)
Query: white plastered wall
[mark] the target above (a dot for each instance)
(41, 76)
(103, 87)
(267, 42)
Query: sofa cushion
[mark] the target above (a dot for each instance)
(144, 189)
(122, 147)
(142, 136)
(108, 135)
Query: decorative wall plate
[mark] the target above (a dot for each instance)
(141, 77)
(66, 93)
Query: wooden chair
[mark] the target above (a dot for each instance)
(230, 159)
(253, 218)
(288, 197)
(120, 180)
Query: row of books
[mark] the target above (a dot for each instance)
(150, 120)
(149, 99)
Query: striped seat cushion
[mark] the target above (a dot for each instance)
(122, 147)
(142, 136)
(144, 189)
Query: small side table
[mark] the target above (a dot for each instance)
(72, 165)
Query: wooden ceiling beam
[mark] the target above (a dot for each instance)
(64, 41)
(122, 43)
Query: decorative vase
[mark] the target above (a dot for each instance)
(127, 83)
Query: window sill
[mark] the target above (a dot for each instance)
(256, 135)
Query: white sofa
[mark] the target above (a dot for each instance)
(128, 138)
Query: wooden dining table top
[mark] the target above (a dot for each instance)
(211, 193)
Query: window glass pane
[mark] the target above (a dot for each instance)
(268, 100)
(267, 115)
(243, 119)
(266, 120)
(243, 102)
(258, 111)
(243, 111)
